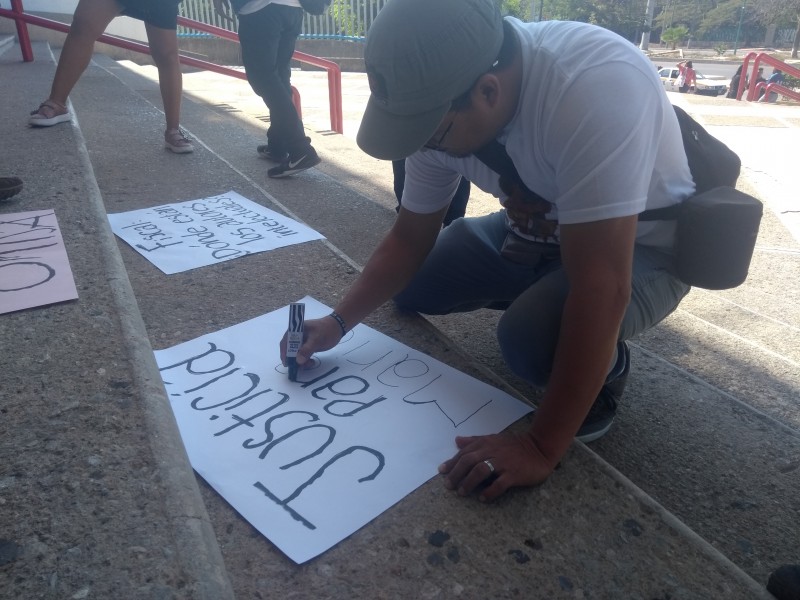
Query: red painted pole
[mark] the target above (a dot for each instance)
(22, 32)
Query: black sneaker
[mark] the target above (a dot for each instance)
(292, 166)
(601, 415)
(264, 151)
(10, 186)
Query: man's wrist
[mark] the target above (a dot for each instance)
(338, 318)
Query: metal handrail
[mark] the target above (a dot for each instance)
(778, 89)
(23, 19)
(754, 85)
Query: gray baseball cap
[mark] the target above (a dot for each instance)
(420, 56)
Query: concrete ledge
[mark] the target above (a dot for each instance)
(111, 502)
(585, 531)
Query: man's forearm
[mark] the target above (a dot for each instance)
(589, 332)
(385, 275)
(597, 259)
(391, 266)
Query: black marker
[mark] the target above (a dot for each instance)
(294, 338)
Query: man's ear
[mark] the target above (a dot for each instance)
(487, 90)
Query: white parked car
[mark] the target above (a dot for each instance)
(705, 86)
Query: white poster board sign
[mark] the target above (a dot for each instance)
(187, 235)
(34, 267)
(309, 462)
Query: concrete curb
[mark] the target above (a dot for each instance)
(200, 557)
(758, 591)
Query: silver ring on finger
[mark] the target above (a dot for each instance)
(489, 464)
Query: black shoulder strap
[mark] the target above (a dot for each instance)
(494, 156)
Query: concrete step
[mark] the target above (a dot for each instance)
(6, 43)
(717, 377)
(589, 531)
(97, 495)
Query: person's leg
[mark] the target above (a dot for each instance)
(297, 143)
(528, 330)
(267, 38)
(259, 35)
(90, 20)
(465, 270)
(399, 179)
(301, 154)
(88, 23)
(655, 292)
(164, 49)
(292, 26)
(458, 205)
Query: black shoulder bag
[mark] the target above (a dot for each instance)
(716, 228)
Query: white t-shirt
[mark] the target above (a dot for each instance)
(255, 5)
(594, 133)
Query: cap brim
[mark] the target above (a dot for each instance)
(388, 136)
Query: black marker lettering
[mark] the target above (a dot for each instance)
(285, 502)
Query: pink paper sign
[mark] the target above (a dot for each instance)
(34, 267)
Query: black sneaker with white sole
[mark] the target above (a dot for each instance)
(264, 151)
(294, 165)
(601, 415)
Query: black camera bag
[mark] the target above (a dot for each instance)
(716, 228)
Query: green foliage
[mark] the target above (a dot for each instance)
(791, 82)
(721, 49)
(725, 14)
(778, 12)
(625, 17)
(520, 9)
(674, 35)
(346, 18)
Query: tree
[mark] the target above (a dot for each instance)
(346, 18)
(779, 12)
(516, 8)
(674, 35)
(625, 17)
(725, 14)
(687, 12)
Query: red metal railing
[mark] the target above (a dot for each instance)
(779, 89)
(23, 19)
(755, 86)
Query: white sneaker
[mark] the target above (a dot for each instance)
(49, 113)
(176, 141)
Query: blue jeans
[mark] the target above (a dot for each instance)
(268, 38)
(465, 271)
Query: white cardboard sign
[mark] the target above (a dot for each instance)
(186, 235)
(309, 462)
(34, 267)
